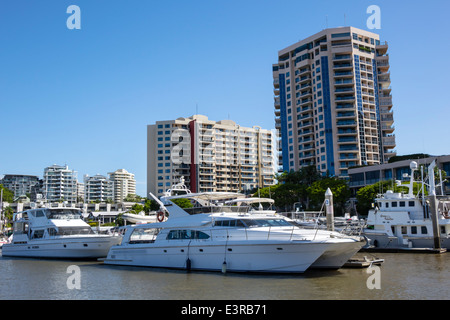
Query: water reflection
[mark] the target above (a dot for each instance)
(403, 276)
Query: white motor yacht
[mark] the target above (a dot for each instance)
(217, 237)
(404, 221)
(56, 233)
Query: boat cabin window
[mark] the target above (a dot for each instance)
(38, 234)
(38, 213)
(141, 235)
(68, 231)
(404, 230)
(424, 230)
(229, 223)
(52, 232)
(412, 203)
(20, 227)
(265, 222)
(387, 204)
(402, 203)
(186, 234)
(413, 230)
(65, 214)
(394, 204)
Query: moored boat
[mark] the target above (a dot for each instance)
(215, 236)
(56, 233)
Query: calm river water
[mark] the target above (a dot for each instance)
(401, 277)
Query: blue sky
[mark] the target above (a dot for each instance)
(84, 97)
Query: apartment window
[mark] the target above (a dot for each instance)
(340, 35)
(160, 126)
(167, 125)
(160, 133)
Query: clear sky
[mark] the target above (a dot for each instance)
(84, 97)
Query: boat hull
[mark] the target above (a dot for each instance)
(337, 254)
(380, 241)
(64, 248)
(275, 257)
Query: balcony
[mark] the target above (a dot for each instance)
(389, 141)
(386, 101)
(382, 48)
(388, 129)
(341, 123)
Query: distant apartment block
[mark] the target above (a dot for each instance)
(22, 185)
(210, 155)
(367, 175)
(333, 103)
(60, 184)
(123, 184)
(97, 188)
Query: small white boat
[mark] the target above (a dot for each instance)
(56, 233)
(140, 217)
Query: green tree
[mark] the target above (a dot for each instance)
(137, 208)
(183, 203)
(339, 188)
(8, 195)
(150, 205)
(366, 195)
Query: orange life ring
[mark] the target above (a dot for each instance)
(160, 216)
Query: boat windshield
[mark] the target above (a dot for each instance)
(66, 214)
(266, 223)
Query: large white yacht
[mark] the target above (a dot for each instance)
(404, 221)
(219, 237)
(56, 233)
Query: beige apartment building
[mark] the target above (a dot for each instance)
(123, 184)
(210, 155)
(333, 103)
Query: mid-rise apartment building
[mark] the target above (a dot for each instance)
(211, 156)
(333, 103)
(97, 188)
(60, 184)
(123, 184)
(22, 185)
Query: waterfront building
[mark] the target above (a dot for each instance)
(399, 171)
(22, 185)
(123, 184)
(211, 156)
(333, 103)
(60, 184)
(97, 188)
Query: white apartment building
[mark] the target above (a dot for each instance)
(123, 184)
(97, 188)
(60, 184)
(333, 103)
(209, 155)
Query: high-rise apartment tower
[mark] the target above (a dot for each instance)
(333, 103)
